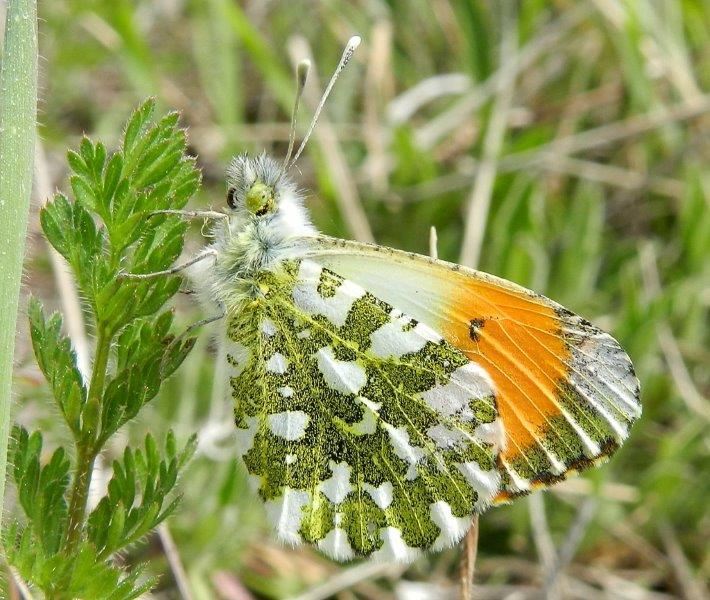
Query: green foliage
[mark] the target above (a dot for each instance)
(584, 66)
(18, 132)
(57, 361)
(41, 489)
(150, 173)
(81, 574)
(107, 230)
(135, 503)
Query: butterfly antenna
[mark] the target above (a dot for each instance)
(301, 76)
(350, 47)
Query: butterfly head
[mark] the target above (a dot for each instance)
(256, 185)
(266, 210)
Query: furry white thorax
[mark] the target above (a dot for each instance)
(246, 243)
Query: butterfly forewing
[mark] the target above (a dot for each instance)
(366, 432)
(566, 392)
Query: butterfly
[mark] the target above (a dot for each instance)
(382, 398)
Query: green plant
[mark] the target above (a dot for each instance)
(18, 111)
(110, 228)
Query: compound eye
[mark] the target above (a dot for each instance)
(232, 198)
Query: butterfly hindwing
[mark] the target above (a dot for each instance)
(366, 432)
(566, 391)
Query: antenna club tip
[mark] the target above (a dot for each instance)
(354, 41)
(302, 71)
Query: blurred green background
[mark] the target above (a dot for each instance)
(567, 141)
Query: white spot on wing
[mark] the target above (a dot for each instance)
(286, 391)
(307, 298)
(238, 357)
(268, 328)
(346, 377)
(452, 528)
(485, 483)
(517, 483)
(277, 363)
(291, 458)
(373, 406)
(286, 514)
(465, 383)
(336, 545)
(595, 400)
(338, 486)
(399, 437)
(391, 340)
(368, 424)
(290, 425)
(381, 495)
(394, 547)
(492, 433)
(445, 437)
(590, 446)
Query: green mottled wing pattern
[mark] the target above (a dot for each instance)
(364, 431)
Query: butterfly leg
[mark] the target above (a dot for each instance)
(172, 270)
(192, 214)
(207, 320)
(195, 325)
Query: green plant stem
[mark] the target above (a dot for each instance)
(18, 113)
(86, 446)
(85, 458)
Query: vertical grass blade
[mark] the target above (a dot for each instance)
(18, 112)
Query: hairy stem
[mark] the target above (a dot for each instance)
(18, 112)
(86, 447)
(79, 495)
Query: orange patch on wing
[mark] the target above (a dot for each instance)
(515, 337)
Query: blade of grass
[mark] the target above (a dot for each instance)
(18, 113)
(479, 203)
(693, 399)
(174, 561)
(350, 577)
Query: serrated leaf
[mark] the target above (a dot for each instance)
(84, 193)
(175, 354)
(115, 528)
(55, 219)
(58, 363)
(112, 178)
(86, 150)
(136, 124)
(78, 164)
(99, 160)
(41, 489)
(70, 228)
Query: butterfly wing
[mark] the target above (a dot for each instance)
(365, 431)
(565, 391)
